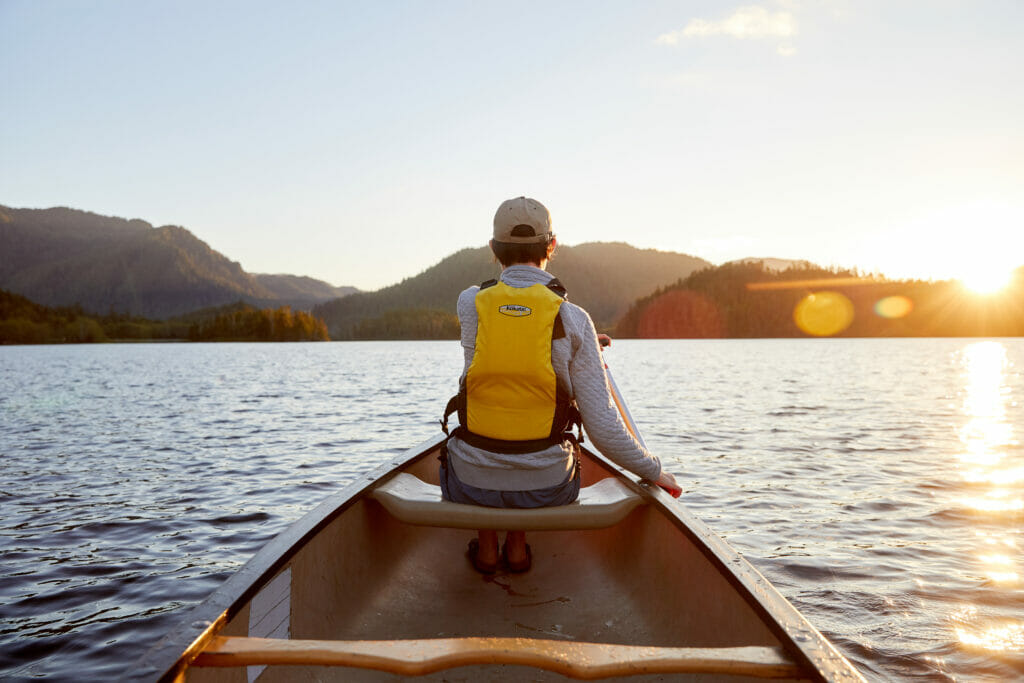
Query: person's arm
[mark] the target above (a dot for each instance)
(666, 480)
(601, 418)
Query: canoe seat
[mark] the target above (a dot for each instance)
(413, 501)
(572, 659)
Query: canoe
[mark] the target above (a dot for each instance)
(374, 585)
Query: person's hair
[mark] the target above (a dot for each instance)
(511, 253)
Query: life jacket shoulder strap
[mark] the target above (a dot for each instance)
(555, 285)
(558, 288)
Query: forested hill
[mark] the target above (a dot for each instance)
(603, 278)
(65, 257)
(749, 300)
(300, 291)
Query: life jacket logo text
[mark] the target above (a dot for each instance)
(514, 310)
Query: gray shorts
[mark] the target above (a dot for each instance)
(458, 492)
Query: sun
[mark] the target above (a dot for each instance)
(987, 280)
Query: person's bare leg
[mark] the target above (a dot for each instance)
(515, 547)
(488, 553)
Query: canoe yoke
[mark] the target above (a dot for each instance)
(571, 659)
(413, 501)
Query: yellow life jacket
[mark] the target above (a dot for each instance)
(510, 400)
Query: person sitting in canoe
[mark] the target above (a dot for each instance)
(533, 371)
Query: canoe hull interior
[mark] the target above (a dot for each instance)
(366, 576)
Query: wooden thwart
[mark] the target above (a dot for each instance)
(572, 659)
(414, 501)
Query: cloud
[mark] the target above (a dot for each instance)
(747, 22)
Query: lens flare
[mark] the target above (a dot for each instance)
(823, 314)
(893, 307)
(681, 314)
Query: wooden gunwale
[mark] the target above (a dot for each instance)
(172, 655)
(798, 636)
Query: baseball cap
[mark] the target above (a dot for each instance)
(522, 221)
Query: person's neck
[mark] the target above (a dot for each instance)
(542, 265)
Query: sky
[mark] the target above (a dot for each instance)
(362, 142)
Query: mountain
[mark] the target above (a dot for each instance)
(299, 288)
(603, 278)
(62, 257)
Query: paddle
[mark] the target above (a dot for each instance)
(671, 486)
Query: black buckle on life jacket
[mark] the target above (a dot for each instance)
(575, 419)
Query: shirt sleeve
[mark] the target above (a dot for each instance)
(466, 310)
(601, 417)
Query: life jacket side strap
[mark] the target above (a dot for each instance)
(452, 407)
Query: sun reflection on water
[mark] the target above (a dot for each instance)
(1006, 477)
(1005, 636)
(986, 436)
(1001, 638)
(987, 429)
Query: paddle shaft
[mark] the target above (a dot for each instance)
(605, 341)
(620, 403)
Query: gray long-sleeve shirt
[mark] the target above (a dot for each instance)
(579, 370)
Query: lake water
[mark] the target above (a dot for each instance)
(879, 484)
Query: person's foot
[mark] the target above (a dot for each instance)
(516, 553)
(517, 565)
(483, 551)
(478, 558)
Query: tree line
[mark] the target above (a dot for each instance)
(746, 300)
(409, 324)
(247, 323)
(25, 322)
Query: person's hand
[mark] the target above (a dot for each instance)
(604, 340)
(668, 482)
